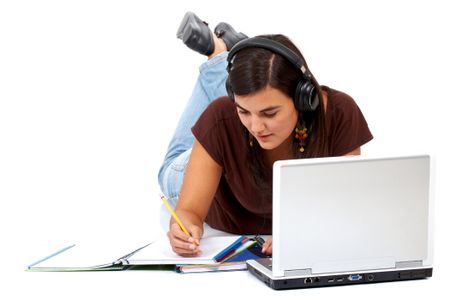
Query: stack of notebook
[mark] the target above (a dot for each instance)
(233, 257)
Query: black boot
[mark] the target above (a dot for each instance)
(196, 34)
(228, 34)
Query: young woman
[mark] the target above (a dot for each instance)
(221, 173)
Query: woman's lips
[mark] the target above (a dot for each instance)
(263, 137)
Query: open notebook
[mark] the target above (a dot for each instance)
(215, 250)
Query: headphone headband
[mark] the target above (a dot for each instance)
(274, 46)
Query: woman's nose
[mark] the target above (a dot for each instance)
(257, 125)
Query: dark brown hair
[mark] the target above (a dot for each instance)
(252, 70)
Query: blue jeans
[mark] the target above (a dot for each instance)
(209, 86)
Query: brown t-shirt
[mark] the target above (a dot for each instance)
(239, 206)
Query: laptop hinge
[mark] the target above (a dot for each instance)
(409, 264)
(299, 272)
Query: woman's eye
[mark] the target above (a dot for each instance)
(243, 112)
(270, 115)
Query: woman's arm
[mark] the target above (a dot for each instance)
(199, 186)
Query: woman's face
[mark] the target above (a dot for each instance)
(269, 115)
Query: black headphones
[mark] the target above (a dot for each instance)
(305, 97)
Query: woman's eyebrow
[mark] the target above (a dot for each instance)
(261, 111)
(235, 103)
(270, 108)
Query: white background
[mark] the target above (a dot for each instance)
(90, 93)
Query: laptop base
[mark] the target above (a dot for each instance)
(337, 280)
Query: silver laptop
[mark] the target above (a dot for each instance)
(349, 220)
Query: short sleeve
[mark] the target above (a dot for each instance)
(348, 128)
(210, 129)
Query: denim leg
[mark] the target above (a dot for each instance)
(170, 182)
(209, 86)
(213, 75)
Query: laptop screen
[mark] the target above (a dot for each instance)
(349, 213)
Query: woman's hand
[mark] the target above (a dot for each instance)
(181, 243)
(267, 247)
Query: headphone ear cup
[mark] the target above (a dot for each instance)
(306, 98)
(229, 90)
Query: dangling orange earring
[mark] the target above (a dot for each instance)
(301, 135)
(250, 140)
